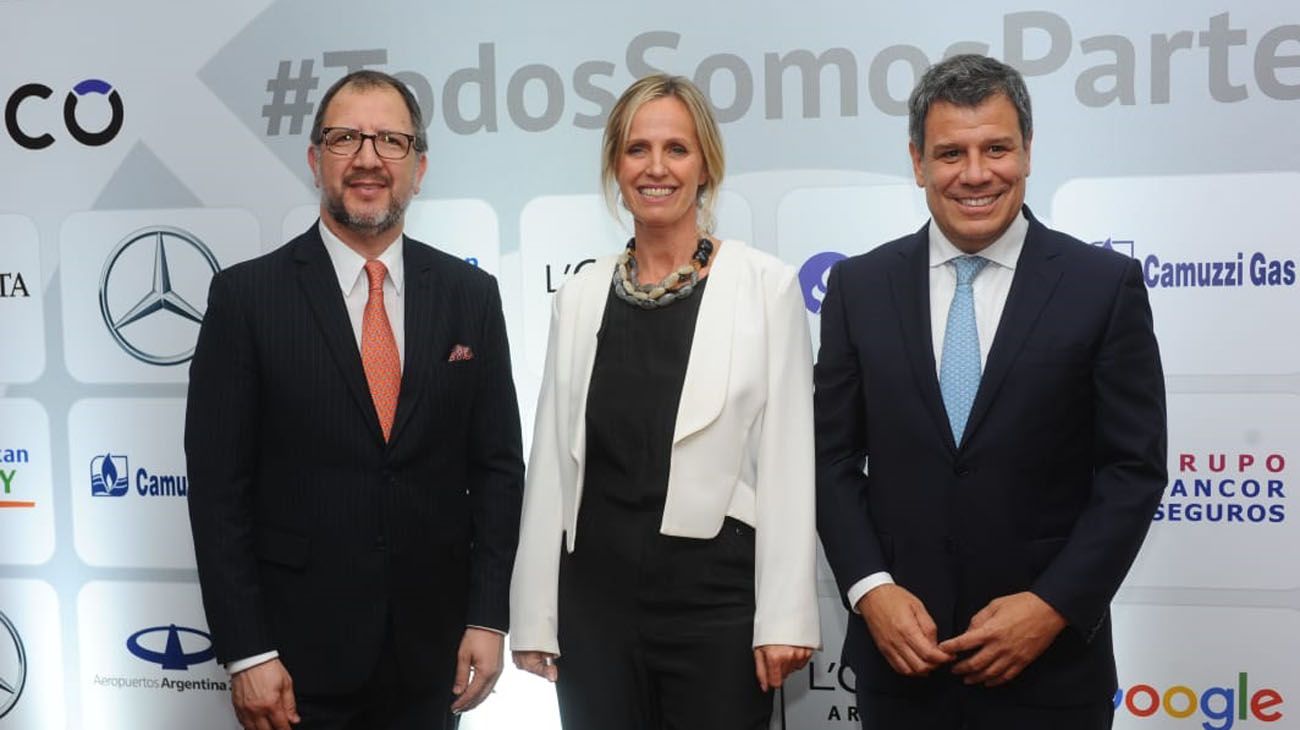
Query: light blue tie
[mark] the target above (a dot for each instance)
(959, 370)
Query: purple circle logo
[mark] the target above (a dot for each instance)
(812, 278)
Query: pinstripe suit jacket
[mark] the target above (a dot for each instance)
(312, 534)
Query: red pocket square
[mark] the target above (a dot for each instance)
(460, 353)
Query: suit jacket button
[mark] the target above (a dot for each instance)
(380, 544)
(962, 471)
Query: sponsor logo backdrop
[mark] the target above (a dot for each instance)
(151, 143)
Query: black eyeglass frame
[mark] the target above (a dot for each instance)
(374, 142)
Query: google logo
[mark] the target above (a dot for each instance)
(1220, 706)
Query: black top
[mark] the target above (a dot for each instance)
(636, 385)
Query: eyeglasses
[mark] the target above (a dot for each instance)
(346, 142)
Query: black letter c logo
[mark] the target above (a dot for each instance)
(11, 116)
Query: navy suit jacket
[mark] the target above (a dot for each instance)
(313, 535)
(1054, 483)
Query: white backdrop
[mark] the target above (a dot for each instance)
(1165, 131)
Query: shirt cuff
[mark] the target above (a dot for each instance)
(487, 628)
(867, 585)
(240, 665)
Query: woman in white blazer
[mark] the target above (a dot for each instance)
(666, 567)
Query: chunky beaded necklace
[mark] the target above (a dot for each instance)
(677, 285)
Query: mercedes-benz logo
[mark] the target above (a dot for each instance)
(160, 295)
(13, 667)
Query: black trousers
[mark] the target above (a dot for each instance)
(656, 632)
(385, 702)
(971, 708)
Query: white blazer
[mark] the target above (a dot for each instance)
(742, 445)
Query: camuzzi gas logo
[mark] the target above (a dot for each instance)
(1244, 269)
(1228, 488)
(1213, 708)
(110, 476)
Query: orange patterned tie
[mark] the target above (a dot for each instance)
(379, 350)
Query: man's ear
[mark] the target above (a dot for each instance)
(313, 161)
(420, 169)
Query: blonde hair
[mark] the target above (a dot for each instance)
(619, 125)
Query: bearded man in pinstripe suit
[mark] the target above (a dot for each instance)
(353, 447)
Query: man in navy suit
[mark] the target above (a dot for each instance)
(353, 447)
(990, 436)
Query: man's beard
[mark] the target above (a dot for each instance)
(366, 224)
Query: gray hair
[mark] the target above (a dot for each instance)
(967, 80)
(366, 79)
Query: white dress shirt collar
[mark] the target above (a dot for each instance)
(350, 266)
(1004, 252)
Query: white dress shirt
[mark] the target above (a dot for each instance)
(989, 290)
(350, 267)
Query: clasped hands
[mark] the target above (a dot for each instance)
(772, 663)
(1002, 639)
